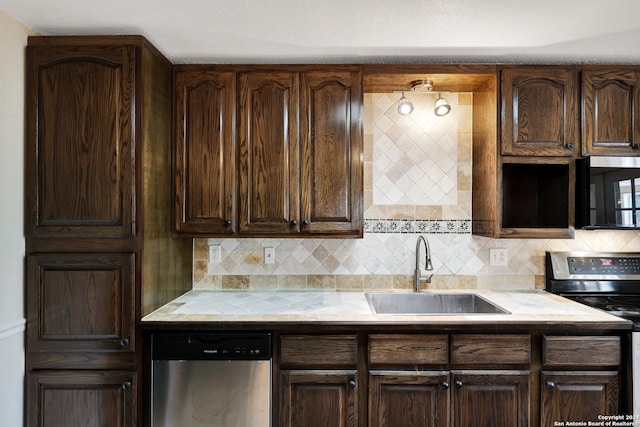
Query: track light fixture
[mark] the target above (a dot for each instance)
(441, 107)
(405, 107)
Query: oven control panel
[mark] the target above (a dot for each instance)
(594, 266)
(604, 265)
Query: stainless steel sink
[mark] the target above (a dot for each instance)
(434, 304)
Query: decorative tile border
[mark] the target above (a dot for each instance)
(439, 226)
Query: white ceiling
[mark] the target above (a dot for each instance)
(355, 31)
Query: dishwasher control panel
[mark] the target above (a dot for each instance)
(211, 346)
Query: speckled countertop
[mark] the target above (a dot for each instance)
(531, 307)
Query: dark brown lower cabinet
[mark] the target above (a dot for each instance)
(578, 395)
(468, 379)
(409, 399)
(80, 310)
(81, 398)
(490, 398)
(319, 398)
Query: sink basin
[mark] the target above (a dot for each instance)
(434, 304)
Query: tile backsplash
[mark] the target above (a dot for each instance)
(417, 180)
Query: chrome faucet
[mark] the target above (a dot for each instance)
(422, 275)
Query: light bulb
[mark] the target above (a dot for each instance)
(405, 107)
(442, 108)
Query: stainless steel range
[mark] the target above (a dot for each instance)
(609, 282)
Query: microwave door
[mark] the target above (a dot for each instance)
(608, 192)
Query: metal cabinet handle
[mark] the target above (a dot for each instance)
(126, 385)
(124, 342)
(458, 384)
(293, 223)
(570, 145)
(551, 384)
(305, 222)
(445, 385)
(227, 223)
(352, 384)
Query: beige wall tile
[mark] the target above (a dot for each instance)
(209, 283)
(382, 281)
(402, 281)
(298, 281)
(263, 281)
(349, 282)
(321, 281)
(235, 282)
(401, 212)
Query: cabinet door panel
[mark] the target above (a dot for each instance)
(204, 152)
(318, 398)
(81, 303)
(611, 115)
(539, 111)
(269, 152)
(331, 141)
(417, 399)
(495, 398)
(578, 396)
(81, 399)
(80, 144)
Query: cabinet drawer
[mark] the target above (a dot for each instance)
(318, 351)
(393, 349)
(490, 349)
(581, 351)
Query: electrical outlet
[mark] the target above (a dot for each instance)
(269, 255)
(215, 254)
(498, 257)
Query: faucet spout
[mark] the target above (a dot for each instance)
(423, 275)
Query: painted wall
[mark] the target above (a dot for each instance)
(13, 39)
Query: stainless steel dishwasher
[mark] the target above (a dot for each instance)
(211, 379)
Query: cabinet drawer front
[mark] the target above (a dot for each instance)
(318, 351)
(393, 349)
(581, 351)
(490, 349)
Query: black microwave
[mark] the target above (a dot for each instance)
(608, 192)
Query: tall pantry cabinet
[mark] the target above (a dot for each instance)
(97, 223)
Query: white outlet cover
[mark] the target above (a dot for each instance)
(215, 254)
(269, 255)
(498, 257)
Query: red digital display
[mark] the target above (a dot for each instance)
(607, 261)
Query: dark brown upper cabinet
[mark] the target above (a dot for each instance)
(269, 152)
(331, 152)
(610, 110)
(79, 152)
(263, 150)
(204, 151)
(539, 111)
